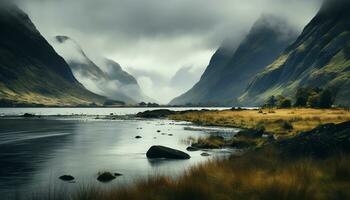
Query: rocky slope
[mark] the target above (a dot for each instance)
(230, 70)
(320, 57)
(31, 71)
(106, 78)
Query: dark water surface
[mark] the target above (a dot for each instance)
(35, 152)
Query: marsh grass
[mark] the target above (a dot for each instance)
(272, 121)
(262, 174)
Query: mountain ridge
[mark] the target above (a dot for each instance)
(31, 71)
(230, 69)
(320, 57)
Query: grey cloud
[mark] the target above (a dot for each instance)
(156, 35)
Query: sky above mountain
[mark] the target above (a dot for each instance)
(161, 43)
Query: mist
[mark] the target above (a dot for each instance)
(155, 39)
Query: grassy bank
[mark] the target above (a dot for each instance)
(281, 122)
(258, 175)
(312, 165)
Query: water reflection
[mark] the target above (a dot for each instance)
(34, 152)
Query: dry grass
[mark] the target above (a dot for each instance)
(273, 121)
(262, 175)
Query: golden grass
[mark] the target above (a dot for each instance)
(263, 175)
(272, 121)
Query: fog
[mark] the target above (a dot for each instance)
(160, 41)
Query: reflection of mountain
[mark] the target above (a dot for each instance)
(107, 79)
(31, 70)
(319, 58)
(230, 71)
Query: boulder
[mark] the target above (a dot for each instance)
(28, 115)
(66, 178)
(166, 152)
(105, 177)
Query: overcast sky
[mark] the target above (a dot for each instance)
(165, 44)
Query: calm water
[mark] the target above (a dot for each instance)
(34, 152)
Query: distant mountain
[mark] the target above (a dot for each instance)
(31, 71)
(230, 70)
(107, 79)
(320, 57)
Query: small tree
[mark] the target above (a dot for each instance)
(271, 102)
(326, 99)
(285, 103)
(314, 100)
(301, 97)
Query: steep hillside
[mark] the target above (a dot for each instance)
(107, 79)
(230, 72)
(31, 71)
(319, 58)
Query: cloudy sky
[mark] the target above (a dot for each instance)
(165, 44)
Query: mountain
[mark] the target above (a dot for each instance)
(230, 71)
(31, 70)
(320, 57)
(106, 78)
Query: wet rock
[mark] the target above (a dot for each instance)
(205, 154)
(192, 149)
(118, 174)
(166, 152)
(66, 178)
(28, 115)
(138, 137)
(106, 177)
(158, 131)
(170, 134)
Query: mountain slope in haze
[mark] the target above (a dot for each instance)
(107, 78)
(31, 71)
(230, 71)
(320, 57)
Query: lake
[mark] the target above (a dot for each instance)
(34, 152)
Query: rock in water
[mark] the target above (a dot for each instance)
(66, 178)
(138, 137)
(105, 177)
(192, 149)
(205, 154)
(166, 152)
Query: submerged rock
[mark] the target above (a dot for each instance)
(66, 178)
(138, 137)
(118, 174)
(106, 177)
(166, 152)
(205, 154)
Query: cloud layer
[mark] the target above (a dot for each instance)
(158, 37)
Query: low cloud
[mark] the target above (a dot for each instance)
(159, 36)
